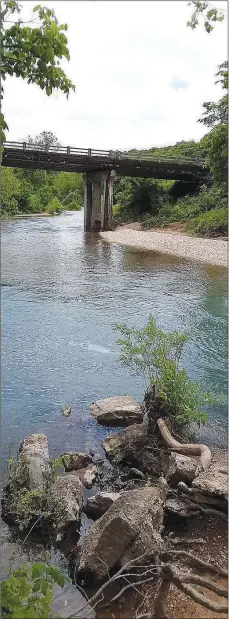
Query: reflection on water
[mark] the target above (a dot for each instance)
(63, 290)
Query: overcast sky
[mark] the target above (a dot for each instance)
(141, 76)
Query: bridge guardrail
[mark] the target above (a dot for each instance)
(89, 152)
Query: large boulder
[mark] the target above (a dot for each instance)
(211, 486)
(117, 411)
(98, 504)
(67, 498)
(126, 529)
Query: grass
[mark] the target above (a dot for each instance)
(211, 224)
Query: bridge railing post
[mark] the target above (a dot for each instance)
(68, 150)
(24, 145)
(89, 152)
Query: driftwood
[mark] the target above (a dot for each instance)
(190, 449)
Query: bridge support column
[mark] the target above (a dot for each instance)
(98, 200)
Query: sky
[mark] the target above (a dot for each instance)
(141, 76)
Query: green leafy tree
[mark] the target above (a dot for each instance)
(216, 147)
(156, 356)
(206, 11)
(10, 192)
(215, 113)
(33, 52)
(27, 591)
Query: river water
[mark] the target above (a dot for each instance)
(62, 292)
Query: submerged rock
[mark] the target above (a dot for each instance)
(129, 525)
(98, 504)
(117, 411)
(66, 411)
(73, 461)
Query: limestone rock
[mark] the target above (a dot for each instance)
(73, 461)
(67, 497)
(179, 508)
(117, 411)
(33, 465)
(88, 476)
(214, 481)
(125, 445)
(180, 468)
(116, 532)
(98, 504)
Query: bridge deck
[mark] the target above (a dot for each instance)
(21, 155)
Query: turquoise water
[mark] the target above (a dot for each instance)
(62, 292)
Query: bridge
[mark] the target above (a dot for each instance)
(100, 168)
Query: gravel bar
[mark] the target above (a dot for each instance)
(211, 251)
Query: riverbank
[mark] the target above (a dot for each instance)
(210, 251)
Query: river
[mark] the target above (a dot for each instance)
(62, 292)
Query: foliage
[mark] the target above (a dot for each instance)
(27, 591)
(215, 144)
(156, 355)
(30, 506)
(215, 113)
(33, 52)
(210, 14)
(185, 209)
(211, 224)
(39, 191)
(136, 196)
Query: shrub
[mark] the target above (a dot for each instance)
(54, 206)
(156, 356)
(211, 224)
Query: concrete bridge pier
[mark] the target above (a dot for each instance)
(98, 200)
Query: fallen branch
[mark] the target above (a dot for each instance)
(190, 449)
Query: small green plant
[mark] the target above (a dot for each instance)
(27, 591)
(156, 356)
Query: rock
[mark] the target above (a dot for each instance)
(67, 495)
(117, 411)
(213, 483)
(179, 508)
(127, 444)
(73, 461)
(115, 534)
(67, 601)
(66, 411)
(180, 468)
(98, 504)
(33, 464)
(137, 473)
(88, 476)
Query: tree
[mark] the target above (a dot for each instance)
(33, 52)
(215, 113)
(216, 148)
(209, 13)
(46, 139)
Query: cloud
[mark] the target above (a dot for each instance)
(178, 84)
(126, 61)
